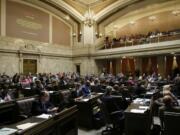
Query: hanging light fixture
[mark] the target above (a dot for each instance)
(89, 18)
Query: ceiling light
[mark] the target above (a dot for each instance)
(132, 22)
(176, 12)
(115, 26)
(152, 18)
(67, 17)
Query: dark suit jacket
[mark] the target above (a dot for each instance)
(39, 108)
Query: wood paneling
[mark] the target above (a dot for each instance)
(29, 66)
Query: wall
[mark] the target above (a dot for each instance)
(49, 58)
(27, 21)
(87, 65)
(27, 34)
(61, 33)
(9, 63)
(55, 64)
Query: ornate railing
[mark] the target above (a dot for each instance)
(149, 40)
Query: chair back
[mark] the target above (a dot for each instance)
(171, 123)
(104, 111)
(25, 106)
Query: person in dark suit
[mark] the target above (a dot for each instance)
(168, 107)
(76, 92)
(139, 89)
(110, 101)
(86, 89)
(43, 105)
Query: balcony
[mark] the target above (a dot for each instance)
(141, 41)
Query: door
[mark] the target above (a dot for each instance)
(29, 66)
(78, 69)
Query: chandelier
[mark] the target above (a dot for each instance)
(89, 18)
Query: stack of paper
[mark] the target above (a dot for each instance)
(143, 107)
(137, 111)
(7, 131)
(44, 116)
(26, 125)
(85, 99)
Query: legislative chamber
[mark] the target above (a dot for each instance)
(89, 67)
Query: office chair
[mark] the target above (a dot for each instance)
(114, 120)
(171, 123)
(24, 107)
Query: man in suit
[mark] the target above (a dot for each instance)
(168, 107)
(86, 89)
(43, 105)
(76, 92)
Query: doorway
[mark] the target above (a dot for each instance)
(78, 69)
(29, 66)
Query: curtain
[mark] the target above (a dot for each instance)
(124, 66)
(178, 61)
(132, 65)
(169, 62)
(113, 67)
(145, 65)
(154, 65)
(108, 66)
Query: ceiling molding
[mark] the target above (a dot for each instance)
(67, 8)
(112, 8)
(140, 13)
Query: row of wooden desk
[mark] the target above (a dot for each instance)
(138, 118)
(88, 107)
(63, 123)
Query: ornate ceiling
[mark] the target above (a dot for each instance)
(95, 5)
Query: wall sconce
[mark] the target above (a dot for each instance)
(100, 35)
(79, 36)
(97, 35)
(80, 33)
(74, 34)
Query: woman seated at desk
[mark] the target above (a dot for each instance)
(43, 105)
(4, 95)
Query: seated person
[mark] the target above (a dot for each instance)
(86, 89)
(139, 89)
(111, 102)
(76, 92)
(43, 105)
(168, 106)
(5, 96)
(166, 91)
(114, 110)
(38, 87)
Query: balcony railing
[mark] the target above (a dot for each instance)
(149, 40)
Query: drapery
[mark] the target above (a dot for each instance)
(169, 62)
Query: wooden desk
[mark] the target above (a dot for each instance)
(63, 123)
(7, 114)
(87, 108)
(137, 123)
